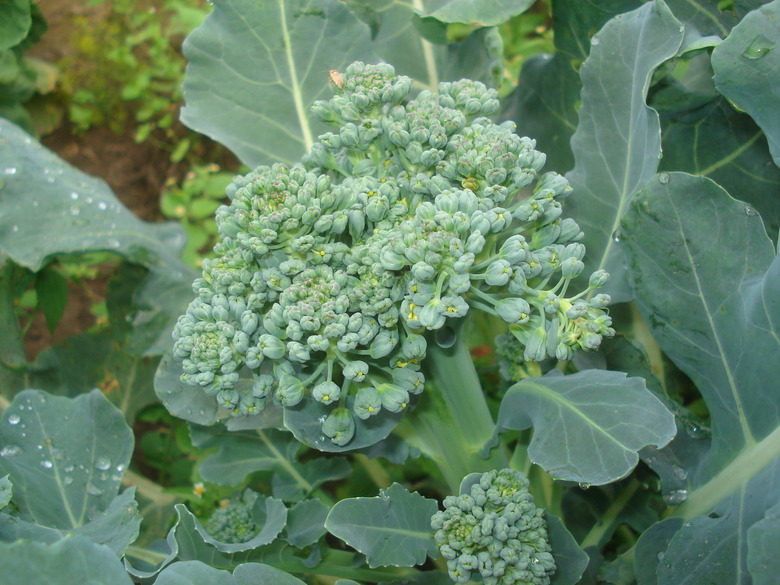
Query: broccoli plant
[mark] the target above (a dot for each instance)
(335, 278)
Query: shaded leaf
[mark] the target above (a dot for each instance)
(65, 458)
(618, 141)
(194, 573)
(544, 107)
(393, 528)
(575, 21)
(570, 560)
(6, 491)
(183, 400)
(52, 291)
(718, 142)
(255, 68)
(747, 65)
(241, 453)
(15, 22)
(588, 426)
(71, 561)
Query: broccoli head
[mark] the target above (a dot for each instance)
(495, 531)
(412, 213)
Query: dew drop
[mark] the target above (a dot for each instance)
(663, 178)
(584, 486)
(675, 497)
(760, 47)
(594, 40)
(46, 464)
(93, 490)
(89, 200)
(616, 236)
(74, 195)
(120, 468)
(14, 228)
(10, 451)
(102, 205)
(67, 480)
(35, 203)
(74, 210)
(750, 210)
(103, 463)
(9, 171)
(68, 468)
(14, 419)
(114, 243)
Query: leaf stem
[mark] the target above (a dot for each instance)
(609, 518)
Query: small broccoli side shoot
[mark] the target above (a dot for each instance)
(233, 522)
(496, 532)
(331, 276)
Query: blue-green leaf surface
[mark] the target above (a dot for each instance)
(71, 561)
(718, 142)
(49, 207)
(6, 491)
(255, 68)
(747, 66)
(393, 528)
(396, 39)
(476, 12)
(183, 400)
(587, 426)
(707, 278)
(618, 141)
(570, 560)
(763, 544)
(66, 458)
(306, 523)
(198, 573)
(243, 452)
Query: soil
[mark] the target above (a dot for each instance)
(136, 172)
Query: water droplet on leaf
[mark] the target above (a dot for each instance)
(594, 40)
(750, 210)
(760, 47)
(103, 463)
(46, 464)
(663, 178)
(675, 497)
(14, 419)
(10, 451)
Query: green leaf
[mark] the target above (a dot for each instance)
(193, 573)
(6, 491)
(396, 39)
(570, 560)
(306, 523)
(52, 290)
(66, 458)
(393, 528)
(15, 22)
(698, 299)
(182, 400)
(763, 544)
(707, 278)
(618, 141)
(71, 561)
(544, 107)
(703, 16)
(254, 573)
(474, 12)
(588, 426)
(718, 142)
(576, 21)
(49, 207)
(255, 68)
(747, 65)
(242, 453)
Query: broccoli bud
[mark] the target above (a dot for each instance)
(233, 522)
(495, 532)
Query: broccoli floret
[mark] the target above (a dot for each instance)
(413, 212)
(495, 531)
(233, 522)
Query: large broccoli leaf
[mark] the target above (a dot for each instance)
(707, 279)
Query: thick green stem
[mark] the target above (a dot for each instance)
(11, 341)
(452, 422)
